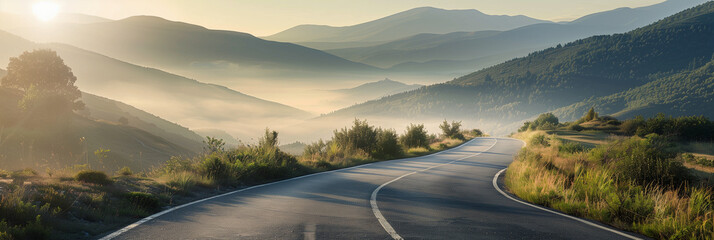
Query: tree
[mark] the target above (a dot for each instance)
(46, 82)
(452, 130)
(591, 115)
(387, 144)
(415, 136)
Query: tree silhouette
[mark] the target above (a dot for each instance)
(46, 83)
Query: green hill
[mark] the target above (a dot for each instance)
(557, 77)
(689, 93)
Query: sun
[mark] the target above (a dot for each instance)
(45, 11)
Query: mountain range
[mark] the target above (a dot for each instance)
(465, 51)
(188, 49)
(403, 24)
(557, 77)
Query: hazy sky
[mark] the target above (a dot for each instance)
(265, 17)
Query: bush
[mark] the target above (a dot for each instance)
(182, 182)
(387, 144)
(361, 137)
(92, 176)
(214, 168)
(546, 121)
(415, 137)
(570, 147)
(645, 161)
(477, 133)
(452, 130)
(125, 171)
(539, 140)
(144, 201)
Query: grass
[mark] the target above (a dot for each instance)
(588, 183)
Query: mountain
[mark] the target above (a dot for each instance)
(690, 93)
(404, 24)
(186, 101)
(182, 48)
(467, 51)
(557, 77)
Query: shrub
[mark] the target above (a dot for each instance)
(415, 137)
(144, 201)
(452, 130)
(387, 144)
(477, 133)
(361, 136)
(214, 168)
(182, 182)
(645, 161)
(570, 147)
(92, 176)
(125, 171)
(546, 121)
(539, 140)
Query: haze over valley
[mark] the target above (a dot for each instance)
(166, 103)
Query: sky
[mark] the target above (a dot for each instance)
(266, 17)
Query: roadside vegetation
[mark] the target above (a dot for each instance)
(82, 201)
(631, 174)
(79, 203)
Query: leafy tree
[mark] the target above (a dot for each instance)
(46, 82)
(387, 144)
(415, 136)
(591, 115)
(452, 130)
(361, 136)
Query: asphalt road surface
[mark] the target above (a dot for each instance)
(444, 196)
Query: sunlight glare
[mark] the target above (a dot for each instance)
(45, 11)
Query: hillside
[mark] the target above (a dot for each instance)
(404, 24)
(468, 51)
(57, 144)
(185, 48)
(160, 93)
(690, 93)
(111, 111)
(557, 77)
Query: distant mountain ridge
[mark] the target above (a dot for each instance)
(556, 77)
(405, 24)
(469, 51)
(186, 48)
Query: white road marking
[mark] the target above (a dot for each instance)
(373, 200)
(156, 215)
(495, 185)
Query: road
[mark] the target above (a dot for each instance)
(445, 196)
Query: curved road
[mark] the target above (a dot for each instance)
(444, 196)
